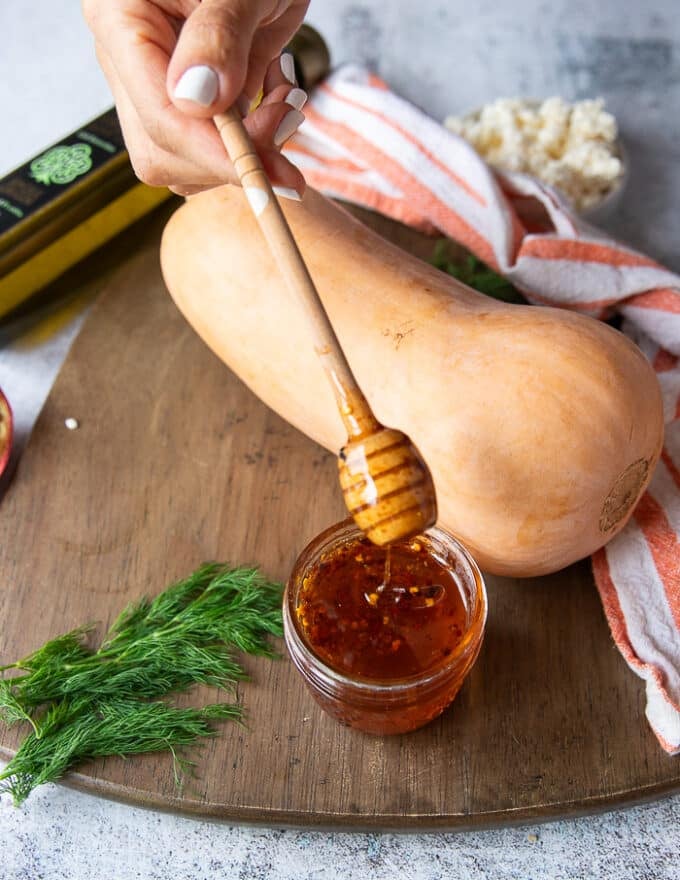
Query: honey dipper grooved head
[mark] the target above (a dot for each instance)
(387, 486)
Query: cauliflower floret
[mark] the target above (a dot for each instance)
(569, 146)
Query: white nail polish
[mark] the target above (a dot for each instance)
(288, 67)
(287, 192)
(199, 84)
(288, 126)
(297, 98)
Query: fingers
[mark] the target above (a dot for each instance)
(224, 49)
(136, 41)
(277, 89)
(280, 72)
(270, 126)
(186, 171)
(187, 191)
(209, 65)
(277, 168)
(268, 43)
(287, 180)
(162, 163)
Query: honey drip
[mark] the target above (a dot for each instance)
(387, 575)
(421, 596)
(382, 613)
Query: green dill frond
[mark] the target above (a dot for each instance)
(62, 650)
(148, 615)
(119, 727)
(84, 703)
(12, 710)
(176, 598)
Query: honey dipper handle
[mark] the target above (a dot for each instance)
(353, 406)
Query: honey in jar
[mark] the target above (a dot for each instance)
(384, 637)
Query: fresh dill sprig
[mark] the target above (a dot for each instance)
(76, 697)
(182, 637)
(72, 733)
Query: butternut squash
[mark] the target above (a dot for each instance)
(541, 426)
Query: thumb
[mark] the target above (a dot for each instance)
(210, 61)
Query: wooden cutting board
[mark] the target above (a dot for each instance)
(176, 462)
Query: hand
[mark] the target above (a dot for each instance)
(173, 64)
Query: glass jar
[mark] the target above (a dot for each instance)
(386, 705)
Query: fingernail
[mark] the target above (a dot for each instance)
(297, 98)
(288, 126)
(243, 104)
(287, 192)
(288, 67)
(199, 84)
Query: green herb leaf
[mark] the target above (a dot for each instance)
(85, 703)
(75, 732)
(475, 274)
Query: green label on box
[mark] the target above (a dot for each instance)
(62, 164)
(38, 182)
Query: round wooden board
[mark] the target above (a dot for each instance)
(176, 462)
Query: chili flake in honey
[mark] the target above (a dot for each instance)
(382, 638)
(380, 613)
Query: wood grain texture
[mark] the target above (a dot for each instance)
(176, 462)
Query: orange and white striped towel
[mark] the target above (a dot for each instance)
(362, 143)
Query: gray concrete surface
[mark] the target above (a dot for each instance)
(61, 835)
(446, 57)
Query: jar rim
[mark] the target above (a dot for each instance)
(471, 637)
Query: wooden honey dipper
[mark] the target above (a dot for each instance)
(387, 486)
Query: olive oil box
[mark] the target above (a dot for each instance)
(63, 204)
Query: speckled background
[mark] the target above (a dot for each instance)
(61, 835)
(446, 57)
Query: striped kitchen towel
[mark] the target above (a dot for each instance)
(362, 143)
